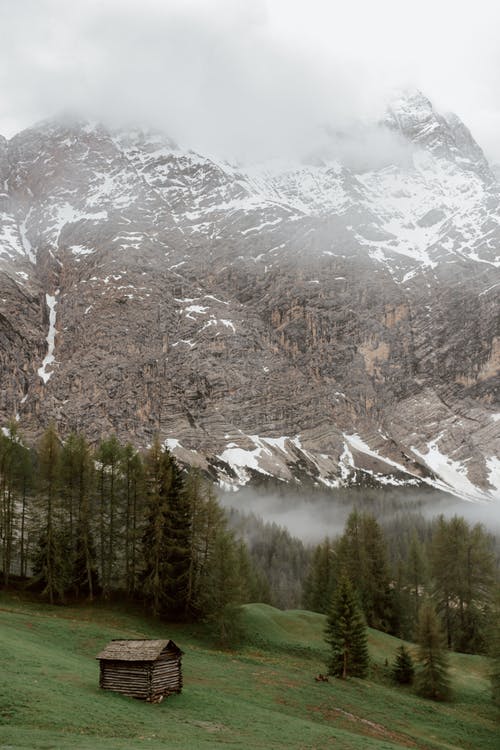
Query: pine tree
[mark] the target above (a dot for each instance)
(403, 670)
(319, 585)
(25, 481)
(375, 585)
(109, 456)
(167, 536)
(49, 566)
(399, 624)
(494, 652)
(463, 575)
(223, 591)
(154, 540)
(69, 482)
(346, 634)
(416, 571)
(279, 561)
(178, 531)
(362, 557)
(51, 562)
(479, 582)
(15, 484)
(9, 450)
(432, 680)
(77, 476)
(84, 579)
(133, 473)
(254, 585)
(220, 573)
(207, 520)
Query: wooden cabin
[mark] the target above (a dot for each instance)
(142, 669)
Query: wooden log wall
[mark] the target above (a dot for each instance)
(144, 680)
(166, 675)
(129, 678)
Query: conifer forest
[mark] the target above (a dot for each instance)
(106, 521)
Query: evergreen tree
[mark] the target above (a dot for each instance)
(178, 533)
(15, 485)
(319, 585)
(133, 473)
(416, 571)
(51, 563)
(254, 585)
(463, 572)
(49, 566)
(69, 482)
(346, 634)
(154, 540)
(77, 476)
(220, 574)
(432, 680)
(10, 449)
(362, 557)
(167, 545)
(403, 670)
(279, 562)
(494, 652)
(207, 520)
(25, 481)
(109, 457)
(480, 577)
(400, 621)
(223, 591)
(83, 577)
(375, 586)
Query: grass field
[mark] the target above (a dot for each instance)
(263, 696)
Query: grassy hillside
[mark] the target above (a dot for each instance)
(264, 696)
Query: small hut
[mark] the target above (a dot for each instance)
(142, 669)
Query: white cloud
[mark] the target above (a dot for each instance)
(247, 78)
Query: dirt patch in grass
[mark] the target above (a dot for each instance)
(210, 726)
(363, 726)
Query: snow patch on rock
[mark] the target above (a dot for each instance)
(49, 358)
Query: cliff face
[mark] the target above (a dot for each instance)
(303, 319)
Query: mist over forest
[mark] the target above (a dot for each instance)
(312, 515)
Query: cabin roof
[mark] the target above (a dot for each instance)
(136, 650)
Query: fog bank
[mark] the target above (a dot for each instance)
(247, 80)
(312, 516)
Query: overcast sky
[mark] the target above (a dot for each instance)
(248, 78)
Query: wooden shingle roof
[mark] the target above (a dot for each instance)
(136, 650)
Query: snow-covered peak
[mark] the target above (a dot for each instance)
(60, 126)
(413, 104)
(445, 136)
(145, 140)
(132, 187)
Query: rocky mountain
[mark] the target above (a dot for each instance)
(316, 319)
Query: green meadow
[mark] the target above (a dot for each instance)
(263, 695)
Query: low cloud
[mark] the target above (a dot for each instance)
(214, 75)
(364, 147)
(248, 80)
(312, 517)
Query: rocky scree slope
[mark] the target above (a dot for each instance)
(293, 320)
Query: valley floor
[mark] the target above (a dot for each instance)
(262, 696)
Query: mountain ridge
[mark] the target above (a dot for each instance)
(298, 320)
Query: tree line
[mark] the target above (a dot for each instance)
(346, 634)
(440, 593)
(78, 521)
(446, 560)
(280, 560)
